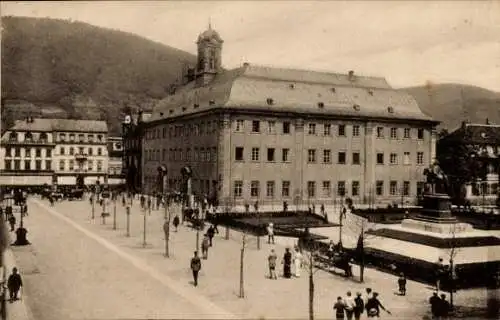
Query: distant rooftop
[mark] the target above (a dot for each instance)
(480, 133)
(67, 125)
(292, 90)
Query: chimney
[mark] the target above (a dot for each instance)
(139, 117)
(351, 75)
(246, 64)
(487, 121)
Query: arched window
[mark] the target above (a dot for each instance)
(28, 136)
(13, 136)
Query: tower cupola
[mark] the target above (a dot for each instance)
(209, 55)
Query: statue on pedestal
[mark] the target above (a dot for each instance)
(437, 181)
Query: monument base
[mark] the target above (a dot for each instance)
(450, 226)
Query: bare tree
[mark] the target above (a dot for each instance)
(452, 253)
(311, 263)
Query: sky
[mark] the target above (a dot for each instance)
(410, 43)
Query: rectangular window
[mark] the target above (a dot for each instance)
(420, 187)
(271, 127)
(379, 188)
(406, 188)
(90, 165)
(355, 131)
(380, 158)
(27, 164)
(407, 133)
(394, 133)
(99, 165)
(254, 189)
(393, 188)
(255, 126)
(355, 188)
(341, 158)
(81, 137)
(48, 165)
(8, 164)
(255, 154)
(214, 154)
(61, 151)
(62, 137)
(71, 151)
(327, 156)
(311, 155)
(420, 158)
(311, 189)
(71, 165)
(270, 154)
(285, 188)
(17, 165)
(341, 188)
(380, 132)
(61, 165)
(312, 129)
(48, 153)
(327, 129)
(420, 134)
(356, 158)
(326, 189)
(238, 188)
(71, 137)
(270, 189)
(238, 154)
(393, 158)
(342, 130)
(406, 158)
(8, 152)
(38, 165)
(285, 155)
(27, 152)
(17, 152)
(286, 127)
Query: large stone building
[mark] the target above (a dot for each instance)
(485, 138)
(37, 151)
(273, 135)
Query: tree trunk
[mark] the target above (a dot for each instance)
(311, 287)
(362, 268)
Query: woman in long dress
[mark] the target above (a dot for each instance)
(298, 262)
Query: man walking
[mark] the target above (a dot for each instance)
(374, 305)
(272, 264)
(211, 233)
(402, 284)
(270, 233)
(205, 244)
(349, 305)
(14, 283)
(434, 301)
(360, 306)
(195, 267)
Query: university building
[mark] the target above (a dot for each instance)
(486, 139)
(266, 134)
(38, 151)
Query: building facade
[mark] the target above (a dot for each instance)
(38, 151)
(132, 137)
(115, 161)
(266, 134)
(485, 138)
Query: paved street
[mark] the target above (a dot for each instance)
(82, 268)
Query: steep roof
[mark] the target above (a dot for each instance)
(70, 125)
(292, 90)
(477, 134)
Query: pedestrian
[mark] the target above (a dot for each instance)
(14, 284)
(195, 267)
(368, 294)
(287, 264)
(339, 307)
(298, 262)
(374, 305)
(12, 222)
(435, 302)
(270, 233)
(211, 233)
(143, 201)
(402, 284)
(360, 306)
(176, 222)
(271, 259)
(444, 306)
(439, 273)
(349, 305)
(123, 201)
(205, 244)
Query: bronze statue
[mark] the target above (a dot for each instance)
(436, 179)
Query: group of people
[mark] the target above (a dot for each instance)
(350, 307)
(296, 260)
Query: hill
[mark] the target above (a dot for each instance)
(454, 103)
(72, 69)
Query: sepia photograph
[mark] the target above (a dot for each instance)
(301, 160)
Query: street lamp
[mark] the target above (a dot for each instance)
(341, 218)
(114, 210)
(162, 179)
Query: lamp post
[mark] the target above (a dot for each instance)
(114, 213)
(242, 259)
(341, 219)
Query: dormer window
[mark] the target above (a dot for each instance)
(161, 114)
(211, 102)
(333, 90)
(43, 137)
(390, 109)
(370, 92)
(321, 105)
(13, 136)
(292, 86)
(62, 137)
(171, 111)
(183, 109)
(270, 101)
(356, 107)
(28, 136)
(196, 105)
